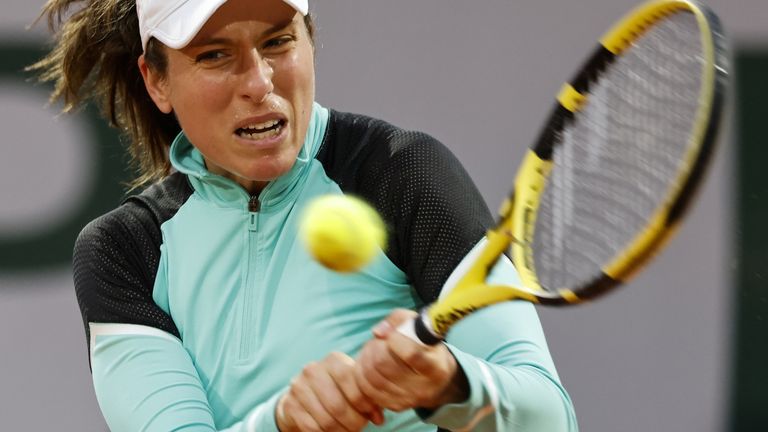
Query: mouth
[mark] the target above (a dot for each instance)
(260, 131)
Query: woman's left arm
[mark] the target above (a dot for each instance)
(494, 373)
(496, 366)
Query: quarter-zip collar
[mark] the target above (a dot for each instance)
(225, 192)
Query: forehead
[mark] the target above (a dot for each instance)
(260, 15)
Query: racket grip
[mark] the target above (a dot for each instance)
(418, 330)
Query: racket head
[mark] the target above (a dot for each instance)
(621, 156)
(592, 204)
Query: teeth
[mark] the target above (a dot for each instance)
(260, 135)
(262, 126)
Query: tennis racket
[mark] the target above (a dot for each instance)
(613, 171)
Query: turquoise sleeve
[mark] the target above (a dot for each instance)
(148, 383)
(513, 382)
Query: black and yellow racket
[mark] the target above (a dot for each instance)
(607, 182)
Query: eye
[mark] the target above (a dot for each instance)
(209, 56)
(278, 42)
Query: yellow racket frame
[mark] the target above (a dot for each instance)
(518, 213)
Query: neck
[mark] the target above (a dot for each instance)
(252, 187)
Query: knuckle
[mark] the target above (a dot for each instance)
(357, 399)
(374, 381)
(368, 392)
(415, 358)
(293, 392)
(305, 425)
(380, 362)
(336, 408)
(328, 424)
(310, 369)
(339, 363)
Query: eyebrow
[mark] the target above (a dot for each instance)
(223, 40)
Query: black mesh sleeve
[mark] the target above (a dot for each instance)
(116, 258)
(433, 209)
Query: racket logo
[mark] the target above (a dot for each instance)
(529, 219)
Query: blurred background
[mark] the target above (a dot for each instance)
(682, 348)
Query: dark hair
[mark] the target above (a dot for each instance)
(95, 57)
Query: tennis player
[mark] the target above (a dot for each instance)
(203, 312)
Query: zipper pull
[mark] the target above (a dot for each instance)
(253, 204)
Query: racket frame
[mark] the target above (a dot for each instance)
(515, 229)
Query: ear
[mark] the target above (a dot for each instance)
(156, 85)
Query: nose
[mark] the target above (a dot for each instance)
(257, 78)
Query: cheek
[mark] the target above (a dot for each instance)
(309, 79)
(295, 74)
(197, 97)
(297, 83)
(204, 94)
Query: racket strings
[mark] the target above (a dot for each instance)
(619, 158)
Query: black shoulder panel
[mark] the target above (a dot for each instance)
(116, 258)
(433, 210)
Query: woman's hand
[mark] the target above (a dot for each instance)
(325, 397)
(398, 373)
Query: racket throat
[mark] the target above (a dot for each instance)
(498, 241)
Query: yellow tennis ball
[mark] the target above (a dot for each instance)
(341, 232)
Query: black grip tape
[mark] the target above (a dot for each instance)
(423, 332)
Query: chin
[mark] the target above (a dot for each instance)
(266, 172)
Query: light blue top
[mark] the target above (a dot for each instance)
(252, 309)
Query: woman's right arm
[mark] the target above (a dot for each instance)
(145, 381)
(144, 378)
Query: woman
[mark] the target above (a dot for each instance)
(204, 312)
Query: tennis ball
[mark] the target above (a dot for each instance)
(341, 232)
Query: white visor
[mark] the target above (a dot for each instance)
(176, 22)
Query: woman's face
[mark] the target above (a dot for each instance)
(242, 90)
